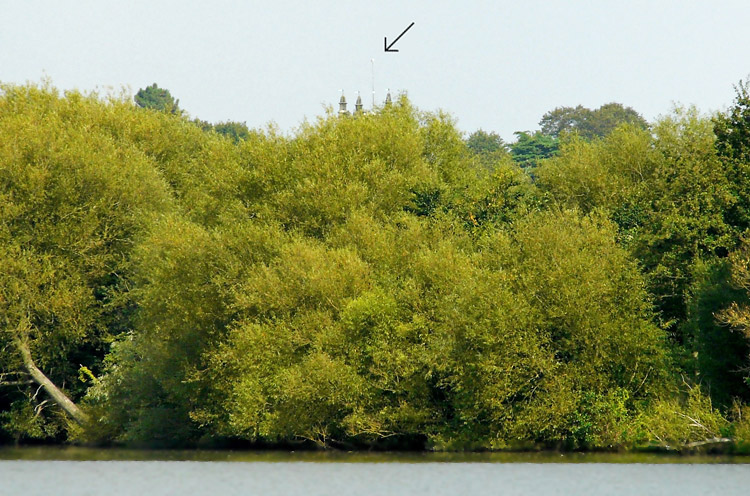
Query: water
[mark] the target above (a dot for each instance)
(77, 471)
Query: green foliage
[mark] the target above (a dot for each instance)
(153, 97)
(675, 422)
(23, 421)
(498, 198)
(348, 310)
(733, 127)
(71, 204)
(373, 280)
(667, 192)
(481, 142)
(741, 428)
(529, 149)
(488, 148)
(717, 354)
(688, 195)
(392, 329)
(590, 124)
(601, 175)
(737, 314)
(732, 130)
(236, 131)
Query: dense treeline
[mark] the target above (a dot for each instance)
(372, 280)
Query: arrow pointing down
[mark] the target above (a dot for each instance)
(385, 40)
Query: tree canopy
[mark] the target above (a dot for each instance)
(590, 124)
(530, 148)
(153, 97)
(370, 281)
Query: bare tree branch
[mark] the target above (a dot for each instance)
(53, 391)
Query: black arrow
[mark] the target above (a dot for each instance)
(385, 40)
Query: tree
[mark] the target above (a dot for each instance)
(684, 202)
(719, 353)
(733, 127)
(561, 119)
(529, 149)
(605, 174)
(396, 328)
(153, 97)
(236, 131)
(609, 116)
(667, 191)
(732, 130)
(71, 202)
(481, 142)
(488, 148)
(365, 282)
(590, 124)
(737, 314)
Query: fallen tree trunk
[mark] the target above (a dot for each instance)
(713, 440)
(53, 391)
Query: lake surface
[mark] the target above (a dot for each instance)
(80, 471)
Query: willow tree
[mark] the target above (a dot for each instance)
(71, 201)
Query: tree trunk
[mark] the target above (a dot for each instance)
(55, 393)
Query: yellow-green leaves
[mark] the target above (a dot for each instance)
(365, 281)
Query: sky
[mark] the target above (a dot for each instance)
(495, 65)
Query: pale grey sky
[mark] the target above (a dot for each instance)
(496, 65)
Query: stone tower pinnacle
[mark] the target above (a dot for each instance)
(342, 104)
